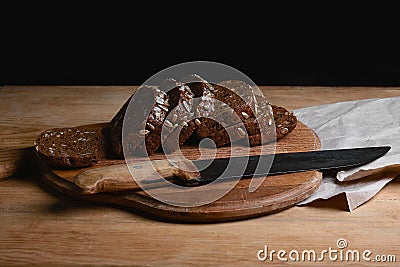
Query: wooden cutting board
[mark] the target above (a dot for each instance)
(276, 192)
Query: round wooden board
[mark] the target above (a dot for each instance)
(276, 192)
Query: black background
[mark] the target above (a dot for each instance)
(264, 65)
(329, 47)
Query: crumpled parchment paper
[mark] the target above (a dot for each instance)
(364, 123)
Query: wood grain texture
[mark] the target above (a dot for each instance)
(40, 227)
(274, 194)
(28, 110)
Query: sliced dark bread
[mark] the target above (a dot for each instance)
(70, 147)
(178, 126)
(186, 111)
(173, 100)
(285, 121)
(141, 133)
(182, 119)
(240, 102)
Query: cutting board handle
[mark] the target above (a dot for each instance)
(116, 178)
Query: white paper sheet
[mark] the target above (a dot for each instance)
(371, 122)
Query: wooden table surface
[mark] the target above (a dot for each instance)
(42, 227)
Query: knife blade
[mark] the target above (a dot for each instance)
(119, 178)
(289, 163)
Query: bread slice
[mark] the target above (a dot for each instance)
(149, 100)
(70, 147)
(285, 121)
(178, 126)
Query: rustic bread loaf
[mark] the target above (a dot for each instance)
(70, 147)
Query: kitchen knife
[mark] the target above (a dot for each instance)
(292, 162)
(118, 177)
